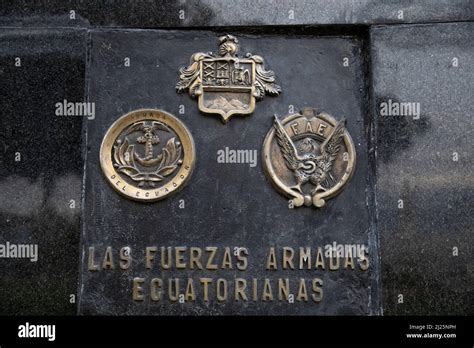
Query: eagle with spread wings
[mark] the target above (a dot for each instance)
(309, 161)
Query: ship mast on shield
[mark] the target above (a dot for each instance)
(226, 84)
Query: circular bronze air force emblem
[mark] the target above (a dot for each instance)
(147, 155)
(309, 157)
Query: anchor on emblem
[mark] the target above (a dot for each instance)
(161, 165)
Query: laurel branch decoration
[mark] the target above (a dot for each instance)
(168, 161)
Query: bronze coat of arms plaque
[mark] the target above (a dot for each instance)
(226, 84)
(147, 155)
(309, 157)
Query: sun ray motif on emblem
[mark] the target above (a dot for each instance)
(226, 84)
(309, 157)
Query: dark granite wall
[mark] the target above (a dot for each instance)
(217, 13)
(426, 163)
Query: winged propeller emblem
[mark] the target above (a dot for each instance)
(309, 161)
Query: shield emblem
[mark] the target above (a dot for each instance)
(226, 84)
(227, 87)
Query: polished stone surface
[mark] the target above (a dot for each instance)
(225, 204)
(416, 163)
(198, 13)
(41, 167)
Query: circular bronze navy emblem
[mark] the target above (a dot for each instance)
(309, 157)
(147, 154)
